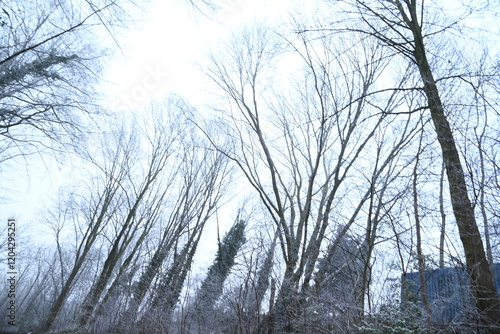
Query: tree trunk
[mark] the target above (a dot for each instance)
(481, 277)
(442, 234)
(56, 307)
(420, 255)
(83, 250)
(482, 200)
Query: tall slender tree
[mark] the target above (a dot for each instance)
(402, 26)
(212, 286)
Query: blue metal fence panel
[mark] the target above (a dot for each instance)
(447, 291)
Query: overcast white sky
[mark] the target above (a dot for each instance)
(157, 59)
(160, 58)
(163, 57)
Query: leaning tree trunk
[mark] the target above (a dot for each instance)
(481, 276)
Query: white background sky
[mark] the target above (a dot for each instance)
(165, 57)
(161, 57)
(173, 44)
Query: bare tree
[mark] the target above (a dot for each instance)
(141, 205)
(96, 212)
(124, 199)
(402, 26)
(418, 230)
(46, 71)
(203, 178)
(298, 149)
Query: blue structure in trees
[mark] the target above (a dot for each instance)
(447, 291)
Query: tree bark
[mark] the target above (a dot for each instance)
(442, 234)
(420, 255)
(481, 276)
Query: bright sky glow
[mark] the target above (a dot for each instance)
(165, 56)
(162, 57)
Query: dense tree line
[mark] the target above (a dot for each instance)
(359, 145)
